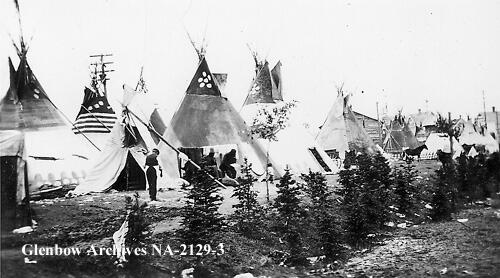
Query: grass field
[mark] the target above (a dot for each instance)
(445, 249)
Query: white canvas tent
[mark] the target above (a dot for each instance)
(110, 167)
(470, 137)
(440, 141)
(294, 148)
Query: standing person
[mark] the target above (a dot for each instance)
(270, 173)
(151, 164)
(225, 165)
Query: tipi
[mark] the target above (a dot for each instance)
(399, 137)
(342, 132)
(295, 148)
(26, 107)
(206, 119)
(96, 117)
(121, 163)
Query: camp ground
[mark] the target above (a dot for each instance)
(356, 139)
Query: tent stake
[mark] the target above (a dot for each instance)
(150, 128)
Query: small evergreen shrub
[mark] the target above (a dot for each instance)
(290, 216)
(406, 192)
(202, 219)
(247, 212)
(367, 195)
(138, 228)
(325, 218)
(444, 199)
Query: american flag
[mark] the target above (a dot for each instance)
(96, 115)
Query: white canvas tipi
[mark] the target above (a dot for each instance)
(121, 163)
(294, 148)
(342, 132)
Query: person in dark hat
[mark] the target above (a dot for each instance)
(151, 165)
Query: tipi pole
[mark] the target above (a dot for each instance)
(85, 136)
(379, 128)
(150, 128)
(97, 119)
(484, 110)
(450, 134)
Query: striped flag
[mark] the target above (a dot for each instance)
(96, 115)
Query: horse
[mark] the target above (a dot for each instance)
(413, 152)
(445, 158)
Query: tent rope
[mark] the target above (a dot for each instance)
(151, 128)
(97, 119)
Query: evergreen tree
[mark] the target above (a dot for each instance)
(367, 195)
(356, 223)
(378, 183)
(138, 228)
(406, 191)
(324, 214)
(202, 219)
(464, 186)
(291, 214)
(247, 212)
(444, 198)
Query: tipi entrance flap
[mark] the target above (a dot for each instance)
(132, 176)
(108, 165)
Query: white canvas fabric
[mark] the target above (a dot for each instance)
(441, 141)
(291, 150)
(107, 167)
(470, 136)
(333, 134)
(65, 162)
(342, 132)
(472, 152)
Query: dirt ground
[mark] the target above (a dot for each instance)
(448, 249)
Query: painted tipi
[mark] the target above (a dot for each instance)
(207, 119)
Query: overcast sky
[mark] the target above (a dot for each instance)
(399, 53)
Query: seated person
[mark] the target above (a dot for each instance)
(211, 163)
(225, 165)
